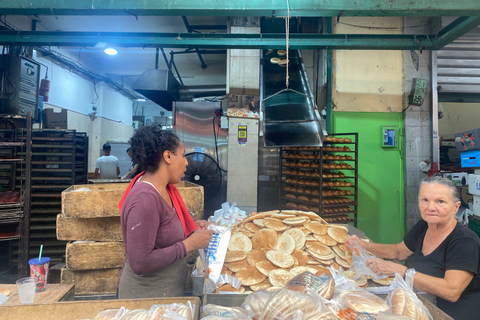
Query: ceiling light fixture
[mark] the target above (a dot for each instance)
(140, 99)
(111, 51)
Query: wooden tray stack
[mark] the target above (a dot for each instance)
(90, 220)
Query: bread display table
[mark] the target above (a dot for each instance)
(71, 310)
(54, 292)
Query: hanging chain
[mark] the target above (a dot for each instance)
(287, 30)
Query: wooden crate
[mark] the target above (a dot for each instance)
(102, 281)
(89, 229)
(193, 197)
(94, 255)
(86, 309)
(101, 201)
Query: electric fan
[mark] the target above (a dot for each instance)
(203, 170)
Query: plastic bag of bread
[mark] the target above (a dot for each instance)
(359, 263)
(137, 314)
(287, 304)
(403, 300)
(111, 314)
(255, 302)
(213, 256)
(171, 311)
(323, 285)
(226, 312)
(341, 282)
(359, 304)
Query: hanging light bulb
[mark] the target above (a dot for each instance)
(111, 51)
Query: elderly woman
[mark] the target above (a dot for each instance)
(446, 253)
(157, 228)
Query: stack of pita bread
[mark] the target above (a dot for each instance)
(268, 249)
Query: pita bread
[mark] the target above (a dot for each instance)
(311, 215)
(298, 270)
(264, 238)
(250, 226)
(292, 212)
(296, 221)
(227, 287)
(279, 277)
(397, 301)
(246, 232)
(285, 243)
(268, 213)
(301, 256)
(281, 52)
(250, 276)
(410, 310)
(317, 227)
(319, 249)
(232, 256)
(265, 267)
(237, 265)
(340, 226)
(282, 216)
(321, 270)
(259, 223)
(339, 252)
(343, 263)
(384, 282)
(273, 289)
(362, 301)
(239, 242)
(338, 234)
(256, 255)
(310, 238)
(275, 60)
(304, 230)
(327, 289)
(312, 262)
(275, 224)
(298, 236)
(325, 239)
(257, 216)
(265, 284)
(280, 259)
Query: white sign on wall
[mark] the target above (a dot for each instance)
(474, 184)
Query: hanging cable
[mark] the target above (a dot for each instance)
(287, 32)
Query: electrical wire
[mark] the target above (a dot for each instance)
(215, 136)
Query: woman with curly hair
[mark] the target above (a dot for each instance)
(158, 231)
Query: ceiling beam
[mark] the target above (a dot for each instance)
(304, 8)
(220, 41)
(455, 30)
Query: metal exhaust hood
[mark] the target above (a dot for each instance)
(161, 87)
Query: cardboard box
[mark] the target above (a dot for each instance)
(54, 120)
(88, 309)
(460, 178)
(470, 159)
(89, 229)
(474, 184)
(101, 281)
(468, 140)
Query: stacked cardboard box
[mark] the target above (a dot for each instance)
(90, 220)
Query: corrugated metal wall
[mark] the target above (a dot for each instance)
(459, 65)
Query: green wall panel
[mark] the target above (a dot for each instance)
(380, 174)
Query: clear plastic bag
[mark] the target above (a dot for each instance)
(359, 304)
(323, 285)
(113, 314)
(228, 216)
(213, 256)
(174, 311)
(341, 283)
(360, 257)
(286, 304)
(227, 312)
(254, 303)
(403, 300)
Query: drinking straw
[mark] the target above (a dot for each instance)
(40, 255)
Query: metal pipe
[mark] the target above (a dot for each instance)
(156, 57)
(190, 92)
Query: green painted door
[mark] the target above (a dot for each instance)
(380, 174)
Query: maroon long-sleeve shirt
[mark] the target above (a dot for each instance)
(152, 231)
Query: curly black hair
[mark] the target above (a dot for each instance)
(148, 145)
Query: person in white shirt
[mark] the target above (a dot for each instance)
(107, 167)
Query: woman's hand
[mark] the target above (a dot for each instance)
(202, 224)
(361, 242)
(382, 267)
(198, 240)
